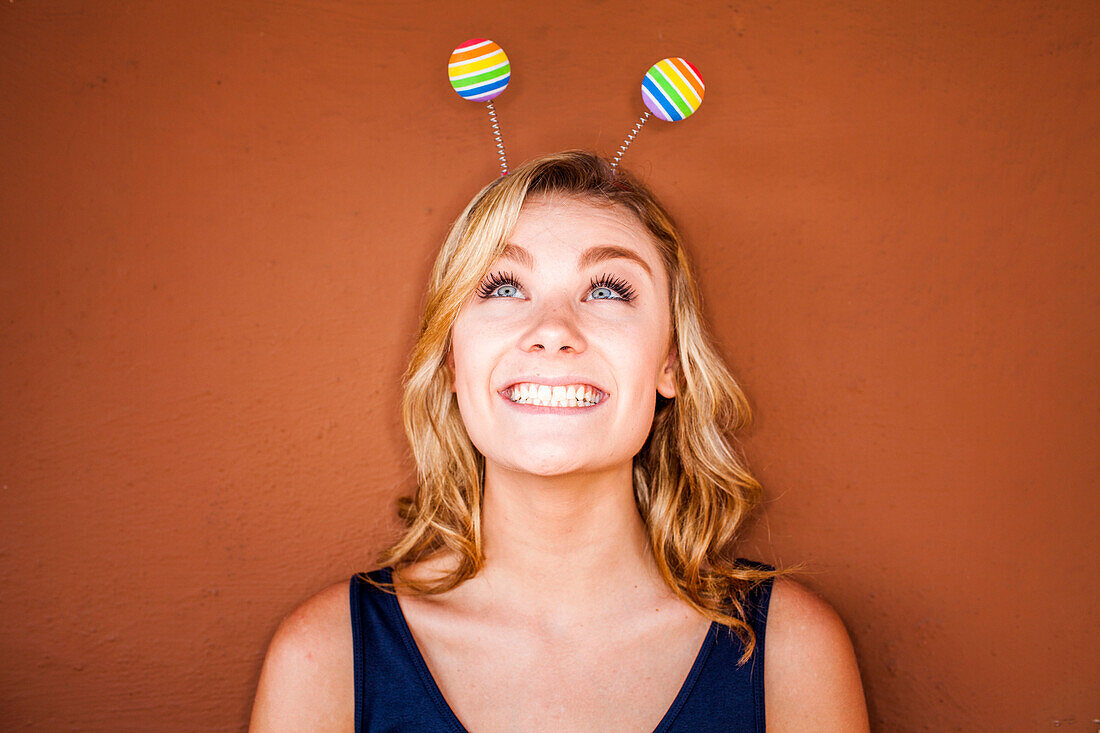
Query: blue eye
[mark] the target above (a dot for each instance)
(500, 285)
(505, 285)
(609, 284)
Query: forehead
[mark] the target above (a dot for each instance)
(589, 231)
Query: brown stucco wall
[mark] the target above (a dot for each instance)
(216, 220)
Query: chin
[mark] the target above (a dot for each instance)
(546, 466)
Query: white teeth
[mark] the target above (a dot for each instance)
(559, 396)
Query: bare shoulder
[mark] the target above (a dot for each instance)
(307, 680)
(811, 679)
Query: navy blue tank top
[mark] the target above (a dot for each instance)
(400, 693)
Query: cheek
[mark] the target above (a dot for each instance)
(464, 342)
(647, 348)
(473, 351)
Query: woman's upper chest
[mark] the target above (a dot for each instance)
(505, 675)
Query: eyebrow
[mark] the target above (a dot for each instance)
(591, 256)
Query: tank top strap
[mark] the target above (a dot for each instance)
(391, 693)
(728, 695)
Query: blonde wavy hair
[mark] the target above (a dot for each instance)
(691, 484)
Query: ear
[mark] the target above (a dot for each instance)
(451, 367)
(666, 380)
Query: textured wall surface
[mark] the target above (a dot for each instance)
(217, 219)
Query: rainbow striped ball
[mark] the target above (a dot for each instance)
(672, 89)
(479, 70)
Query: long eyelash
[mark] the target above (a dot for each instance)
(622, 287)
(495, 281)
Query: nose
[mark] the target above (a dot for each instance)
(555, 329)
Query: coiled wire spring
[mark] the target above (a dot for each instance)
(629, 139)
(496, 136)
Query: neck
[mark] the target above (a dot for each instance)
(564, 547)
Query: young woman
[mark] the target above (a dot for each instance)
(567, 560)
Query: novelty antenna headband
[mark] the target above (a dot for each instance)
(479, 71)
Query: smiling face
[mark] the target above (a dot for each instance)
(579, 298)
